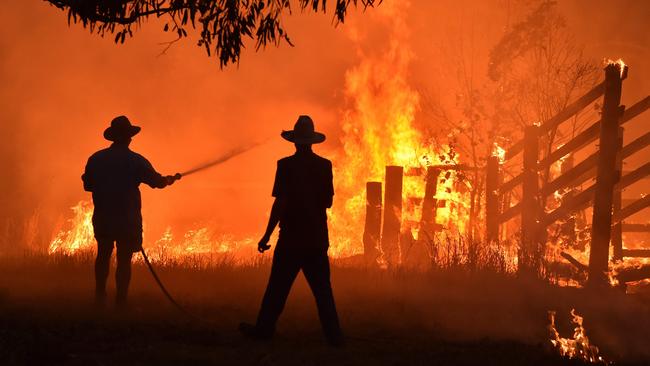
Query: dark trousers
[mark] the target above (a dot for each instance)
(122, 273)
(285, 268)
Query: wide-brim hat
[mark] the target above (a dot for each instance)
(120, 129)
(303, 132)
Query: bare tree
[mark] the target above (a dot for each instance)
(538, 69)
(534, 70)
(223, 24)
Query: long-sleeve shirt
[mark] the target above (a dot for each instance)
(113, 175)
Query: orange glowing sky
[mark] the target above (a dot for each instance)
(61, 86)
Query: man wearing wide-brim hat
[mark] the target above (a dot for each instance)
(113, 175)
(303, 192)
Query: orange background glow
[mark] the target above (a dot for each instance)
(61, 87)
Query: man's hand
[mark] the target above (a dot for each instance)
(170, 179)
(263, 245)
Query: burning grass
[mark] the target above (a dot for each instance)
(578, 346)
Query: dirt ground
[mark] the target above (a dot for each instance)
(450, 317)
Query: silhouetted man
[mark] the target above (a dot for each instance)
(303, 192)
(113, 176)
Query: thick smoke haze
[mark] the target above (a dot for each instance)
(61, 86)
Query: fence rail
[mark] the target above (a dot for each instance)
(605, 166)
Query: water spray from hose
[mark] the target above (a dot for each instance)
(222, 159)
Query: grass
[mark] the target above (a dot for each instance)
(450, 316)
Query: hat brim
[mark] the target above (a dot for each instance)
(111, 134)
(314, 138)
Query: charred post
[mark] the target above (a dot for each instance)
(617, 229)
(429, 203)
(605, 177)
(372, 227)
(492, 200)
(392, 214)
(530, 251)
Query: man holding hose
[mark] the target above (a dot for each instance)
(113, 175)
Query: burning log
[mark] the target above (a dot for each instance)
(606, 178)
(582, 267)
(626, 275)
(392, 214)
(372, 229)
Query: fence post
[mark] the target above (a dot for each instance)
(392, 214)
(617, 201)
(492, 200)
(372, 228)
(429, 204)
(529, 254)
(601, 229)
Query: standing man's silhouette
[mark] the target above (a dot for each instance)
(303, 192)
(113, 176)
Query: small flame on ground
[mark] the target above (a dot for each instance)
(80, 236)
(577, 347)
(201, 241)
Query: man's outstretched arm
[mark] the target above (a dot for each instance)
(154, 179)
(274, 219)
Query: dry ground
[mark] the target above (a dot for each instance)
(449, 317)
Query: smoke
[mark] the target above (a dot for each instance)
(61, 86)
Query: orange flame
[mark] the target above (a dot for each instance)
(379, 129)
(576, 347)
(80, 236)
(619, 63)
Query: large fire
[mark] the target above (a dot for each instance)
(379, 129)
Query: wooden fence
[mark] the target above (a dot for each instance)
(384, 215)
(604, 195)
